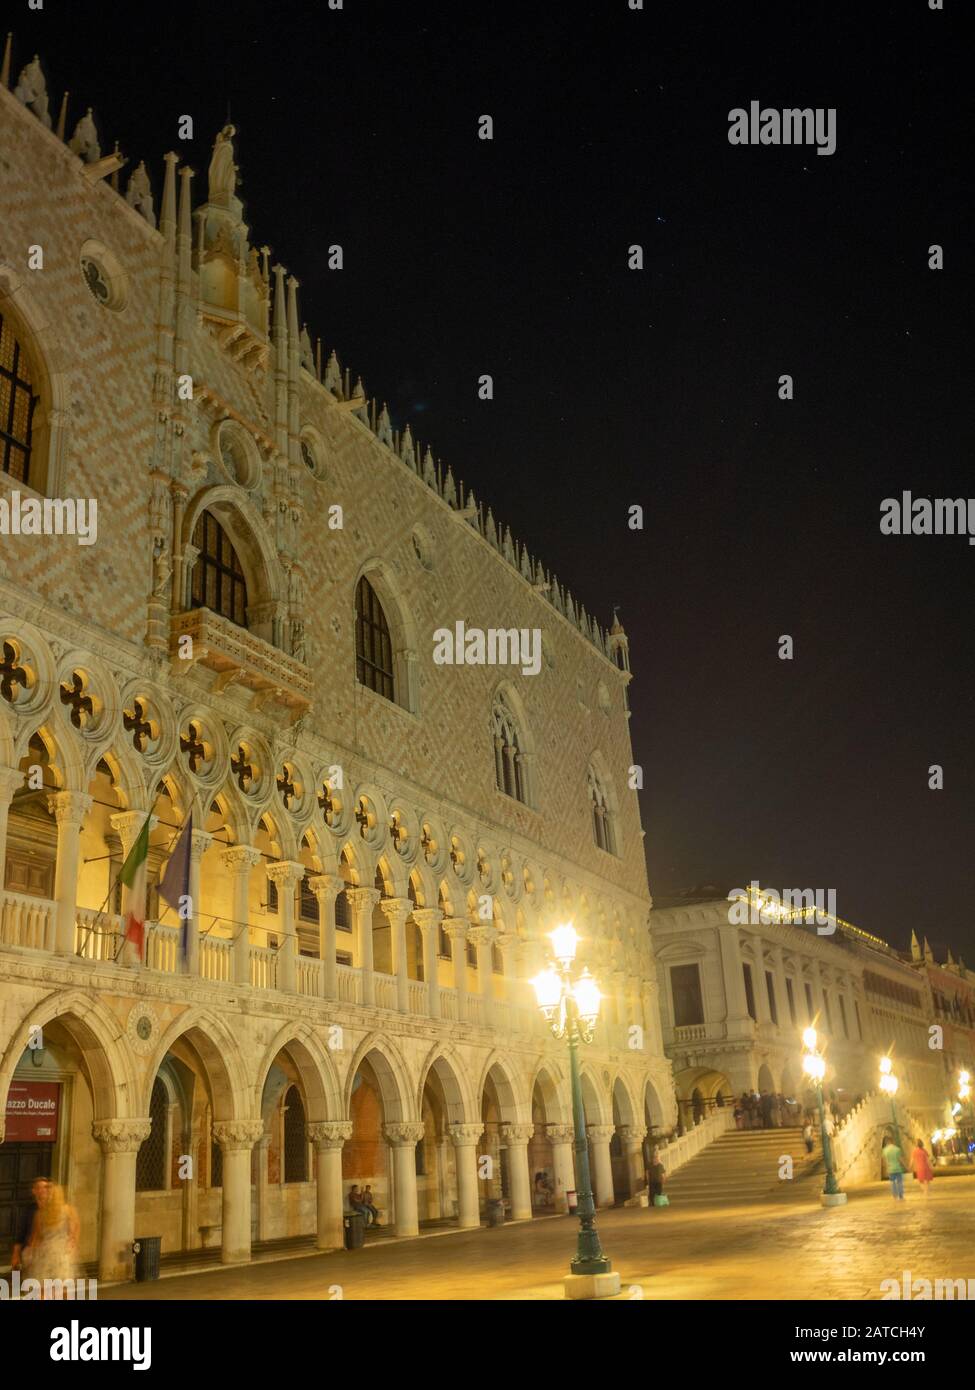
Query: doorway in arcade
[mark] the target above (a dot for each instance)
(30, 1134)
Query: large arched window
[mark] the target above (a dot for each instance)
(17, 403)
(602, 821)
(218, 580)
(295, 1140)
(150, 1163)
(373, 648)
(509, 768)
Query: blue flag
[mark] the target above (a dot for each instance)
(174, 886)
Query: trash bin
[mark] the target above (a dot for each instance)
(495, 1211)
(355, 1230)
(147, 1250)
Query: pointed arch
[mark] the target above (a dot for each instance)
(398, 683)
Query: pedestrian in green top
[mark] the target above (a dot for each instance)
(894, 1160)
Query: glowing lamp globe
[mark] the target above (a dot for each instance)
(809, 1039)
(814, 1066)
(964, 1078)
(888, 1083)
(885, 1066)
(586, 993)
(565, 942)
(548, 990)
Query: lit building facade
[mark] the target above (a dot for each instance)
(379, 843)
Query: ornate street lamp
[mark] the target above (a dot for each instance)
(889, 1084)
(814, 1065)
(965, 1098)
(570, 1005)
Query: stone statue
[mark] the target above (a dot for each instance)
(298, 640)
(139, 194)
(31, 90)
(162, 568)
(84, 142)
(223, 170)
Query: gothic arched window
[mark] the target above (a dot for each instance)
(17, 403)
(602, 823)
(509, 765)
(373, 647)
(150, 1163)
(295, 1141)
(218, 579)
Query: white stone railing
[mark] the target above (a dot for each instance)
(857, 1141)
(163, 947)
(309, 975)
(691, 1032)
(264, 967)
(27, 921)
(348, 981)
(448, 1004)
(418, 997)
(384, 990)
(217, 958)
(97, 934)
(687, 1146)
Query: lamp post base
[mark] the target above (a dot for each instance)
(592, 1285)
(833, 1199)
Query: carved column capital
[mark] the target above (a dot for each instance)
(465, 1134)
(286, 873)
(362, 899)
(234, 1135)
(456, 928)
(601, 1133)
(633, 1134)
(241, 859)
(329, 1134)
(69, 808)
(120, 1136)
(327, 886)
(404, 1132)
(395, 909)
(427, 918)
(481, 936)
(199, 843)
(560, 1134)
(11, 780)
(517, 1134)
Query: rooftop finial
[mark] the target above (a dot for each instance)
(223, 170)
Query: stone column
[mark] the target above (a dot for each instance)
(759, 988)
(602, 1176)
(781, 993)
(11, 780)
(69, 810)
(326, 888)
(236, 1139)
(653, 1037)
(396, 911)
(456, 929)
(465, 1139)
(428, 920)
(562, 1137)
(738, 1022)
(199, 843)
(239, 861)
(287, 874)
(119, 1141)
(632, 1137)
(516, 1138)
(362, 901)
(328, 1138)
(483, 939)
(819, 1006)
(403, 1139)
(261, 1195)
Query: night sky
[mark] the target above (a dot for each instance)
(660, 387)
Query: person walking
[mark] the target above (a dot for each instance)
(807, 1136)
(54, 1238)
(656, 1173)
(921, 1165)
(894, 1162)
(20, 1254)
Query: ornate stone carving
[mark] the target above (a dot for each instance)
(465, 1134)
(223, 170)
(120, 1136)
(234, 1135)
(329, 1134)
(241, 858)
(601, 1134)
(560, 1134)
(404, 1132)
(517, 1134)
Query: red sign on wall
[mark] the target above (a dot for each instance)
(32, 1112)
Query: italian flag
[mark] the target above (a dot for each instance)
(133, 876)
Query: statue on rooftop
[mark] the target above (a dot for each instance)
(84, 142)
(139, 194)
(223, 170)
(31, 90)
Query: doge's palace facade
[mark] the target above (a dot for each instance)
(380, 842)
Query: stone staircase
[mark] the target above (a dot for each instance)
(743, 1166)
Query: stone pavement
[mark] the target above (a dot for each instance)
(720, 1252)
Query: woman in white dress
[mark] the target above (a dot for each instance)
(54, 1239)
